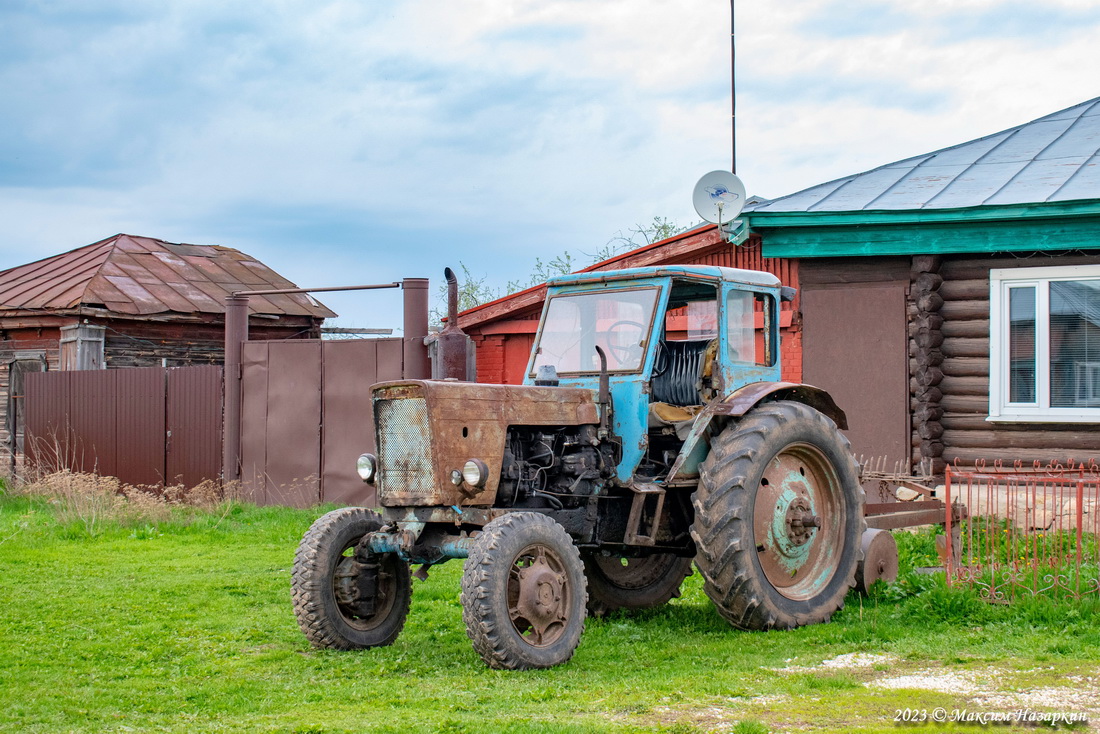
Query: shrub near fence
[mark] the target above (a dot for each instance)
(1024, 531)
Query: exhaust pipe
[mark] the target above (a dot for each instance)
(451, 342)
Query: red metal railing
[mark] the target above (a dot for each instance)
(1024, 530)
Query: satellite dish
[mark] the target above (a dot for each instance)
(719, 197)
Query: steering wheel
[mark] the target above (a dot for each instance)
(621, 352)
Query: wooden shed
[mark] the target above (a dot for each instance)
(951, 301)
(129, 301)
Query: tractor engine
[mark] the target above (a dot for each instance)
(531, 446)
(552, 467)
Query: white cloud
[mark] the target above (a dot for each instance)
(484, 131)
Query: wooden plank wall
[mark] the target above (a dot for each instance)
(966, 434)
(10, 351)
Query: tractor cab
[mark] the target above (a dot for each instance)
(670, 339)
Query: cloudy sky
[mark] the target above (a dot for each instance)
(362, 141)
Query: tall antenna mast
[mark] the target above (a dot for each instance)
(733, 95)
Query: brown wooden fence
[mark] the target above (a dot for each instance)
(149, 425)
(306, 416)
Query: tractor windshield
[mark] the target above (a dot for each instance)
(617, 321)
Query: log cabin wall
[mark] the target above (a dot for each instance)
(963, 391)
(189, 343)
(926, 371)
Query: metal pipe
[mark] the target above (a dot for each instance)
(416, 328)
(402, 543)
(452, 299)
(450, 358)
(281, 291)
(456, 547)
(236, 333)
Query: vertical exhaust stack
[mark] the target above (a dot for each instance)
(451, 343)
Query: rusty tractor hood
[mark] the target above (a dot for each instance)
(428, 429)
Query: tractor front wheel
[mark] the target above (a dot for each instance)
(523, 593)
(343, 600)
(778, 518)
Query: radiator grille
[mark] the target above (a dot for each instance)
(404, 452)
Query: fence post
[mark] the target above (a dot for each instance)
(236, 333)
(949, 562)
(1080, 518)
(415, 291)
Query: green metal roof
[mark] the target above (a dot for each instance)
(1032, 187)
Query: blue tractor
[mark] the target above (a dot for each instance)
(652, 432)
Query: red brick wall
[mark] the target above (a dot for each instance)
(490, 358)
(790, 342)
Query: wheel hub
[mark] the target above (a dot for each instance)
(357, 589)
(789, 532)
(801, 522)
(796, 539)
(540, 607)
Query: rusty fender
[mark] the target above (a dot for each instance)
(744, 399)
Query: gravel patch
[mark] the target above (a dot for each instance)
(847, 661)
(965, 682)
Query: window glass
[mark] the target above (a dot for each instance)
(1075, 343)
(692, 312)
(702, 319)
(619, 322)
(1045, 344)
(741, 322)
(1021, 345)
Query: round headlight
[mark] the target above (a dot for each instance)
(367, 466)
(475, 472)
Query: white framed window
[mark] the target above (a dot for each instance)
(1044, 344)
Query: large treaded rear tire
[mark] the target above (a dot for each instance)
(633, 583)
(523, 593)
(325, 558)
(737, 523)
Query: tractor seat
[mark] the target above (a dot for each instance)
(679, 370)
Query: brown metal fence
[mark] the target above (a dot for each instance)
(306, 416)
(1025, 531)
(148, 425)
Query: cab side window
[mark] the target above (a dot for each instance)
(750, 328)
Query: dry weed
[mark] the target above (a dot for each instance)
(88, 501)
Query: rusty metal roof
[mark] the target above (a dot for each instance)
(139, 276)
(1053, 159)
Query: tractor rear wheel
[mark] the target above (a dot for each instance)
(342, 600)
(523, 593)
(633, 583)
(778, 518)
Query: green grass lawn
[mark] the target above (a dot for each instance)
(187, 626)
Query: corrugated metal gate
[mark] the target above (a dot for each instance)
(148, 425)
(306, 416)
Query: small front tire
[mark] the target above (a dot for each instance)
(339, 601)
(524, 593)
